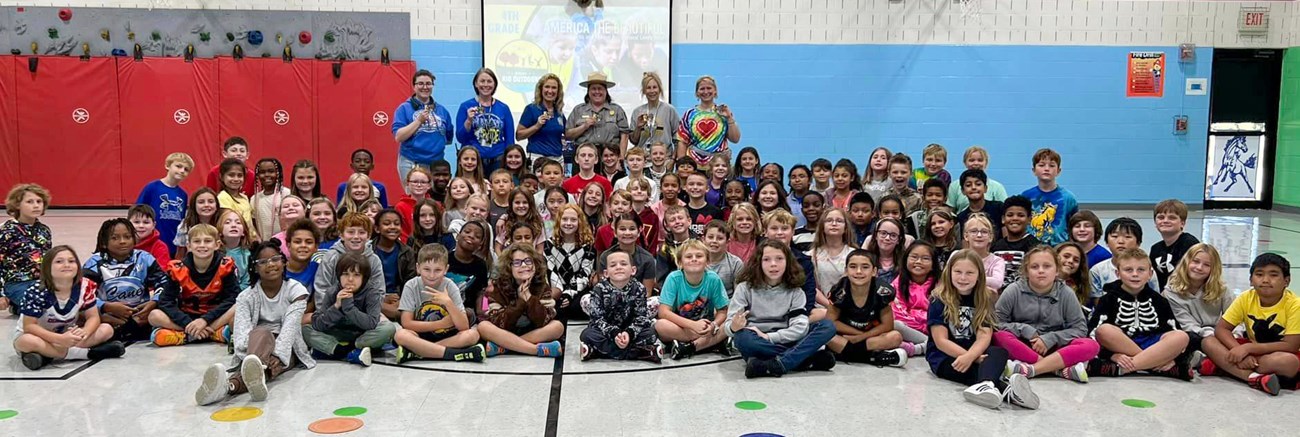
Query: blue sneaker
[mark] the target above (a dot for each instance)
(492, 349)
(360, 356)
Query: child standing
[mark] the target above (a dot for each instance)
(267, 332)
(128, 280)
(900, 173)
(1197, 294)
(571, 258)
(914, 286)
(747, 164)
(231, 196)
(860, 309)
(235, 243)
(359, 190)
(306, 180)
(1135, 325)
(651, 226)
(585, 158)
(347, 320)
(830, 250)
(201, 290)
(428, 229)
(887, 246)
(362, 163)
(622, 327)
(59, 316)
(974, 194)
(1122, 233)
(821, 175)
(167, 198)
(799, 187)
(862, 215)
(434, 323)
(701, 211)
(234, 148)
(202, 210)
(499, 201)
(1266, 359)
(1041, 324)
(933, 157)
(398, 260)
(467, 168)
(1171, 218)
(942, 233)
(693, 304)
(521, 312)
(321, 212)
(147, 237)
(418, 184)
(659, 165)
(768, 320)
(718, 175)
(812, 208)
(1086, 230)
(847, 183)
(22, 242)
(1052, 204)
(670, 188)
(961, 335)
(875, 181)
(1015, 240)
(271, 192)
(722, 262)
(975, 158)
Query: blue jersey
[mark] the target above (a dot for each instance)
(168, 205)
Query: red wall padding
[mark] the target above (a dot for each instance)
(269, 103)
(69, 131)
(8, 124)
(168, 105)
(134, 108)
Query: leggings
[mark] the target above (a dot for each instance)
(910, 335)
(1076, 351)
(261, 343)
(988, 370)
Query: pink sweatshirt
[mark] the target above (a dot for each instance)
(915, 311)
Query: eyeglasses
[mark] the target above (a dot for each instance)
(837, 221)
(888, 235)
(522, 262)
(272, 260)
(424, 84)
(418, 182)
(918, 258)
(978, 232)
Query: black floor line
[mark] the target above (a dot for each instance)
(65, 376)
(557, 381)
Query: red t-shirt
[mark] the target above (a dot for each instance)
(214, 181)
(574, 185)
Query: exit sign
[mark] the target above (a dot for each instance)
(1253, 20)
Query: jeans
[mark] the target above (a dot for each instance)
(491, 164)
(404, 167)
(790, 356)
(329, 340)
(988, 370)
(1076, 351)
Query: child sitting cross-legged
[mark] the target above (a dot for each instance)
(1266, 359)
(521, 311)
(622, 327)
(59, 317)
(692, 305)
(1135, 325)
(199, 294)
(434, 323)
(346, 318)
(128, 280)
(769, 321)
(864, 320)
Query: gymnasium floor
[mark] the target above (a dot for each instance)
(150, 390)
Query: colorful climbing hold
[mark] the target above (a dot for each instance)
(750, 405)
(304, 37)
(1138, 403)
(7, 414)
(230, 36)
(236, 414)
(350, 411)
(54, 33)
(65, 14)
(104, 34)
(335, 425)
(329, 36)
(155, 35)
(205, 36)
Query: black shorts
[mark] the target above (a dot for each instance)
(434, 337)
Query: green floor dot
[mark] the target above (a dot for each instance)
(7, 414)
(350, 411)
(751, 405)
(1138, 403)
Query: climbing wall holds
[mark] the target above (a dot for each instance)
(155, 35)
(119, 52)
(54, 33)
(255, 37)
(279, 38)
(205, 36)
(34, 47)
(130, 36)
(304, 37)
(329, 36)
(65, 14)
(104, 35)
(230, 36)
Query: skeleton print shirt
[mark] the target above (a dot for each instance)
(1147, 313)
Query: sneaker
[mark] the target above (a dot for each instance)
(1020, 367)
(473, 353)
(112, 349)
(984, 394)
(389, 346)
(1009, 370)
(821, 360)
(1101, 367)
(163, 337)
(655, 354)
(34, 361)
(1020, 394)
(223, 336)
(1265, 383)
(728, 349)
(757, 368)
(550, 349)
(254, 376)
(683, 350)
(1076, 373)
(214, 387)
(360, 356)
(403, 355)
(492, 349)
(585, 352)
(1182, 368)
(896, 357)
(1208, 367)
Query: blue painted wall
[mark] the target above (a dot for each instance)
(797, 102)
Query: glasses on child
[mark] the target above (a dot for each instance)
(892, 236)
(918, 258)
(978, 232)
(272, 260)
(522, 262)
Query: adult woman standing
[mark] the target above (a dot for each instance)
(656, 121)
(542, 122)
(421, 127)
(598, 120)
(706, 128)
(485, 122)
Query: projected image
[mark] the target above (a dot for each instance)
(522, 40)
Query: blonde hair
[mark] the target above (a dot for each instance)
(245, 241)
(19, 191)
(180, 157)
(348, 203)
(203, 230)
(690, 244)
(584, 236)
(935, 149)
(701, 80)
(976, 149)
(978, 219)
(453, 204)
(947, 293)
(747, 208)
(713, 162)
(1042, 248)
(559, 98)
(779, 216)
(649, 76)
(1181, 279)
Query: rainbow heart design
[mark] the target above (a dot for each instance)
(708, 131)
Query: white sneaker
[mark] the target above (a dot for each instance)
(902, 356)
(984, 394)
(213, 389)
(1020, 394)
(254, 376)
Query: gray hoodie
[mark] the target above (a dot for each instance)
(363, 310)
(1056, 316)
(777, 311)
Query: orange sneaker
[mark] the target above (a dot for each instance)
(162, 337)
(222, 336)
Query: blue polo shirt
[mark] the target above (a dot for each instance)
(429, 141)
(550, 140)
